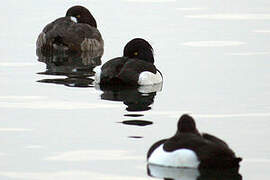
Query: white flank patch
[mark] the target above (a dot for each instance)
(230, 16)
(148, 78)
(180, 158)
(97, 75)
(91, 155)
(74, 19)
(212, 43)
(173, 173)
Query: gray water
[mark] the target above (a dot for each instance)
(214, 56)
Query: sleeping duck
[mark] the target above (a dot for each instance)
(190, 149)
(136, 67)
(76, 32)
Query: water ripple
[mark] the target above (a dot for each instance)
(90, 155)
(212, 43)
(67, 175)
(56, 105)
(231, 16)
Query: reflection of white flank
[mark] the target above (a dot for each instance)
(91, 155)
(55, 105)
(248, 53)
(212, 43)
(230, 16)
(66, 175)
(173, 173)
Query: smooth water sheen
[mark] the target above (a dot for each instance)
(214, 57)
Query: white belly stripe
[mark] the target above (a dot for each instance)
(97, 74)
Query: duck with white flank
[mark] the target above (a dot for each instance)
(135, 68)
(76, 32)
(190, 149)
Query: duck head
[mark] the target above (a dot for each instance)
(140, 49)
(82, 15)
(186, 124)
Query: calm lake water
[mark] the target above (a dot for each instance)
(215, 59)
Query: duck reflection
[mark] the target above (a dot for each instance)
(170, 173)
(136, 98)
(77, 67)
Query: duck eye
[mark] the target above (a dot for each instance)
(136, 53)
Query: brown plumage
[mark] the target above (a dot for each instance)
(64, 34)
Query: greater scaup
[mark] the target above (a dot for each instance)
(190, 149)
(136, 67)
(76, 32)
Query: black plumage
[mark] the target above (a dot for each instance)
(137, 58)
(211, 151)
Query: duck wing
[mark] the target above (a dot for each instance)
(75, 36)
(111, 69)
(184, 141)
(214, 139)
(131, 70)
(217, 154)
(212, 152)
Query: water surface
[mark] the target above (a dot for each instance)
(214, 57)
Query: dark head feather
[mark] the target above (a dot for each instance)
(140, 49)
(186, 124)
(82, 15)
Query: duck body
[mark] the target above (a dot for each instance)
(125, 71)
(190, 149)
(131, 69)
(75, 32)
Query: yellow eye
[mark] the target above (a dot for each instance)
(78, 16)
(136, 53)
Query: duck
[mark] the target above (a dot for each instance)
(135, 68)
(190, 149)
(76, 32)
